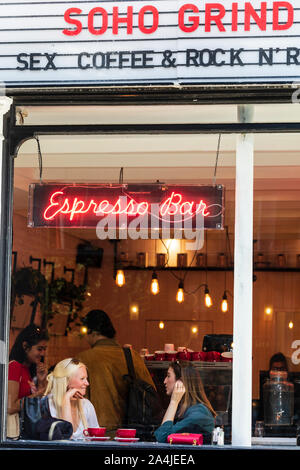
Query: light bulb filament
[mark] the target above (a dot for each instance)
(120, 278)
(154, 285)
(180, 293)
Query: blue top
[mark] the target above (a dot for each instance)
(196, 419)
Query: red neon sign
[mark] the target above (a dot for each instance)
(173, 205)
(66, 205)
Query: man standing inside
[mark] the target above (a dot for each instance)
(106, 365)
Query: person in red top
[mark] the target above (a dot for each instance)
(27, 373)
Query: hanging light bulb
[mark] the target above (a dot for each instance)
(120, 278)
(83, 330)
(207, 298)
(180, 293)
(224, 304)
(154, 285)
(134, 311)
(268, 310)
(291, 325)
(161, 325)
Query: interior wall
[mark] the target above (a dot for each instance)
(279, 290)
(60, 247)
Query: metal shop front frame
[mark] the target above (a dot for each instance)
(14, 135)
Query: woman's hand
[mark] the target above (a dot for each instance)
(73, 394)
(178, 391)
(36, 391)
(41, 372)
(177, 394)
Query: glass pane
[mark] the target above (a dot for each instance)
(62, 273)
(276, 279)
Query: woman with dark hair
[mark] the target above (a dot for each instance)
(27, 374)
(189, 409)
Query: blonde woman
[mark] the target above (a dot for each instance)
(189, 410)
(66, 388)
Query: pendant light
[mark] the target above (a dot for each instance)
(154, 288)
(120, 278)
(83, 330)
(224, 303)
(180, 293)
(134, 311)
(207, 297)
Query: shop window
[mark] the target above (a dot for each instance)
(276, 278)
(62, 273)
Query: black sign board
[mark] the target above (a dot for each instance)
(125, 206)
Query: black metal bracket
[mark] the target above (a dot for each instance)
(33, 260)
(15, 256)
(86, 275)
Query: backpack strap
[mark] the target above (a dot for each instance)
(45, 409)
(129, 362)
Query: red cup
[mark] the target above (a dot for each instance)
(149, 357)
(198, 356)
(184, 355)
(213, 356)
(171, 356)
(226, 359)
(94, 432)
(160, 356)
(126, 433)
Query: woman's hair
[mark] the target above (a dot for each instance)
(194, 390)
(99, 321)
(58, 381)
(31, 335)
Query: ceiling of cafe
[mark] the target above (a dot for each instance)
(169, 158)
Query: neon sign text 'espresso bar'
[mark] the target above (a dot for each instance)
(173, 205)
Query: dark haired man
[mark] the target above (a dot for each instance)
(278, 362)
(106, 367)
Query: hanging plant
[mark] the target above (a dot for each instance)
(30, 282)
(62, 292)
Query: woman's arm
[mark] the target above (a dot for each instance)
(177, 394)
(196, 419)
(13, 404)
(71, 394)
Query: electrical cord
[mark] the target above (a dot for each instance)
(40, 158)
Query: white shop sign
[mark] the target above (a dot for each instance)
(129, 42)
